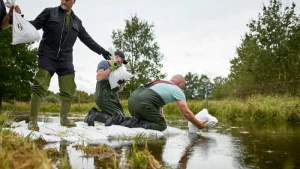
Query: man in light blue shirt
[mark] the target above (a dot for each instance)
(168, 92)
(145, 105)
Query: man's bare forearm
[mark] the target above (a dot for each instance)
(5, 22)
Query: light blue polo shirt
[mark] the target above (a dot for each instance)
(168, 92)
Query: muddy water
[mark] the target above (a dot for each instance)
(227, 145)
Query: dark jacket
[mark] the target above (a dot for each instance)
(2, 12)
(53, 43)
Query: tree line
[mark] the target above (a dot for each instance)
(268, 59)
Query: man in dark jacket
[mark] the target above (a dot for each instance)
(61, 28)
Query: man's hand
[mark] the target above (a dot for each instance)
(12, 8)
(202, 124)
(106, 55)
(17, 9)
(121, 83)
(10, 13)
(8, 19)
(114, 66)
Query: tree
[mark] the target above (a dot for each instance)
(17, 68)
(195, 86)
(142, 52)
(270, 51)
(219, 88)
(83, 97)
(191, 86)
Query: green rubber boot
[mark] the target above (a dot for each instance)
(34, 111)
(64, 111)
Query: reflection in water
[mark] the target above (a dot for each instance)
(207, 150)
(236, 145)
(189, 150)
(156, 149)
(64, 160)
(268, 145)
(107, 162)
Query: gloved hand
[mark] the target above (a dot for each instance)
(114, 66)
(106, 54)
(121, 81)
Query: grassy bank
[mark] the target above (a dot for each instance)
(257, 107)
(20, 152)
(24, 153)
(51, 107)
(269, 108)
(266, 108)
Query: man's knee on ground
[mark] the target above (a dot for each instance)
(159, 127)
(163, 127)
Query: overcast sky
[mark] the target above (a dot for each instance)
(194, 35)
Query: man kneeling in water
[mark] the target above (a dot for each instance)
(145, 105)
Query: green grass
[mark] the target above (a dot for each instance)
(141, 158)
(258, 107)
(255, 108)
(20, 152)
(30, 153)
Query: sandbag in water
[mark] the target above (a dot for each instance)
(202, 116)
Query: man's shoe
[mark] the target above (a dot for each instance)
(33, 126)
(116, 119)
(95, 115)
(89, 113)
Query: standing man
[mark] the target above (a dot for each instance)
(107, 99)
(5, 18)
(61, 28)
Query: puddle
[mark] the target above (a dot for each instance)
(238, 145)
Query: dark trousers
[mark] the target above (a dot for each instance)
(66, 77)
(144, 104)
(107, 99)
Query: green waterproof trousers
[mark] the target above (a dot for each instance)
(39, 89)
(107, 99)
(144, 104)
(67, 89)
(67, 86)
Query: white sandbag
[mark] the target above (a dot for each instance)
(172, 131)
(54, 132)
(23, 31)
(202, 116)
(118, 74)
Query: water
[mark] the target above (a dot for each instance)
(227, 145)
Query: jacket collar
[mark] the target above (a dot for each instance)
(59, 7)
